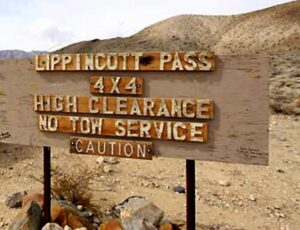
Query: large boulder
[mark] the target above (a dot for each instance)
(136, 223)
(52, 226)
(166, 227)
(15, 200)
(65, 213)
(37, 197)
(140, 208)
(111, 225)
(29, 218)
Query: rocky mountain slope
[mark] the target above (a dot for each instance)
(17, 54)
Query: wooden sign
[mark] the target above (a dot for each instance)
(111, 147)
(127, 61)
(219, 115)
(116, 85)
(187, 108)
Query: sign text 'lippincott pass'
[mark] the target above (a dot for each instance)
(125, 61)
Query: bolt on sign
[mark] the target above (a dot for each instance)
(191, 105)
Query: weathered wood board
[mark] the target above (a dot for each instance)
(126, 61)
(238, 88)
(116, 85)
(111, 147)
(112, 127)
(188, 108)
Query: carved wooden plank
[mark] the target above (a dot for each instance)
(237, 133)
(111, 147)
(127, 61)
(112, 127)
(188, 108)
(116, 85)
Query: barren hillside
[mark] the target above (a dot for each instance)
(273, 29)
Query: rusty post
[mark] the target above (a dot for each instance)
(47, 184)
(190, 195)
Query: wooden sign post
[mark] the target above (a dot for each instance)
(190, 194)
(47, 184)
(191, 105)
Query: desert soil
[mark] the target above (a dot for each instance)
(232, 195)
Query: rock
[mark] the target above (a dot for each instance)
(140, 207)
(224, 183)
(111, 225)
(166, 227)
(15, 200)
(227, 205)
(296, 110)
(37, 197)
(280, 170)
(164, 221)
(29, 218)
(80, 207)
(145, 183)
(108, 160)
(279, 214)
(252, 198)
(154, 185)
(282, 139)
(96, 220)
(82, 228)
(52, 226)
(67, 227)
(178, 224)
(285, 227)
(87, 214)
(107, 169)
(100, 160)
(137, 224)
(65, 213)
(3, 224)
(179, 189)
(111, 160)
(276, 206)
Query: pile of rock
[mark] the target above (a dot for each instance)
(135, 213)
(30, 217)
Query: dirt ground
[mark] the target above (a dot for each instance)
(229, 196)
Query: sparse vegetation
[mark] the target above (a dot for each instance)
(73, 183)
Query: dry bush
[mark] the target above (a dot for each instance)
(73, 183)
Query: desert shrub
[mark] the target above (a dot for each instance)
(73, 183)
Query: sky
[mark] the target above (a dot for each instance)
(51, 24)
